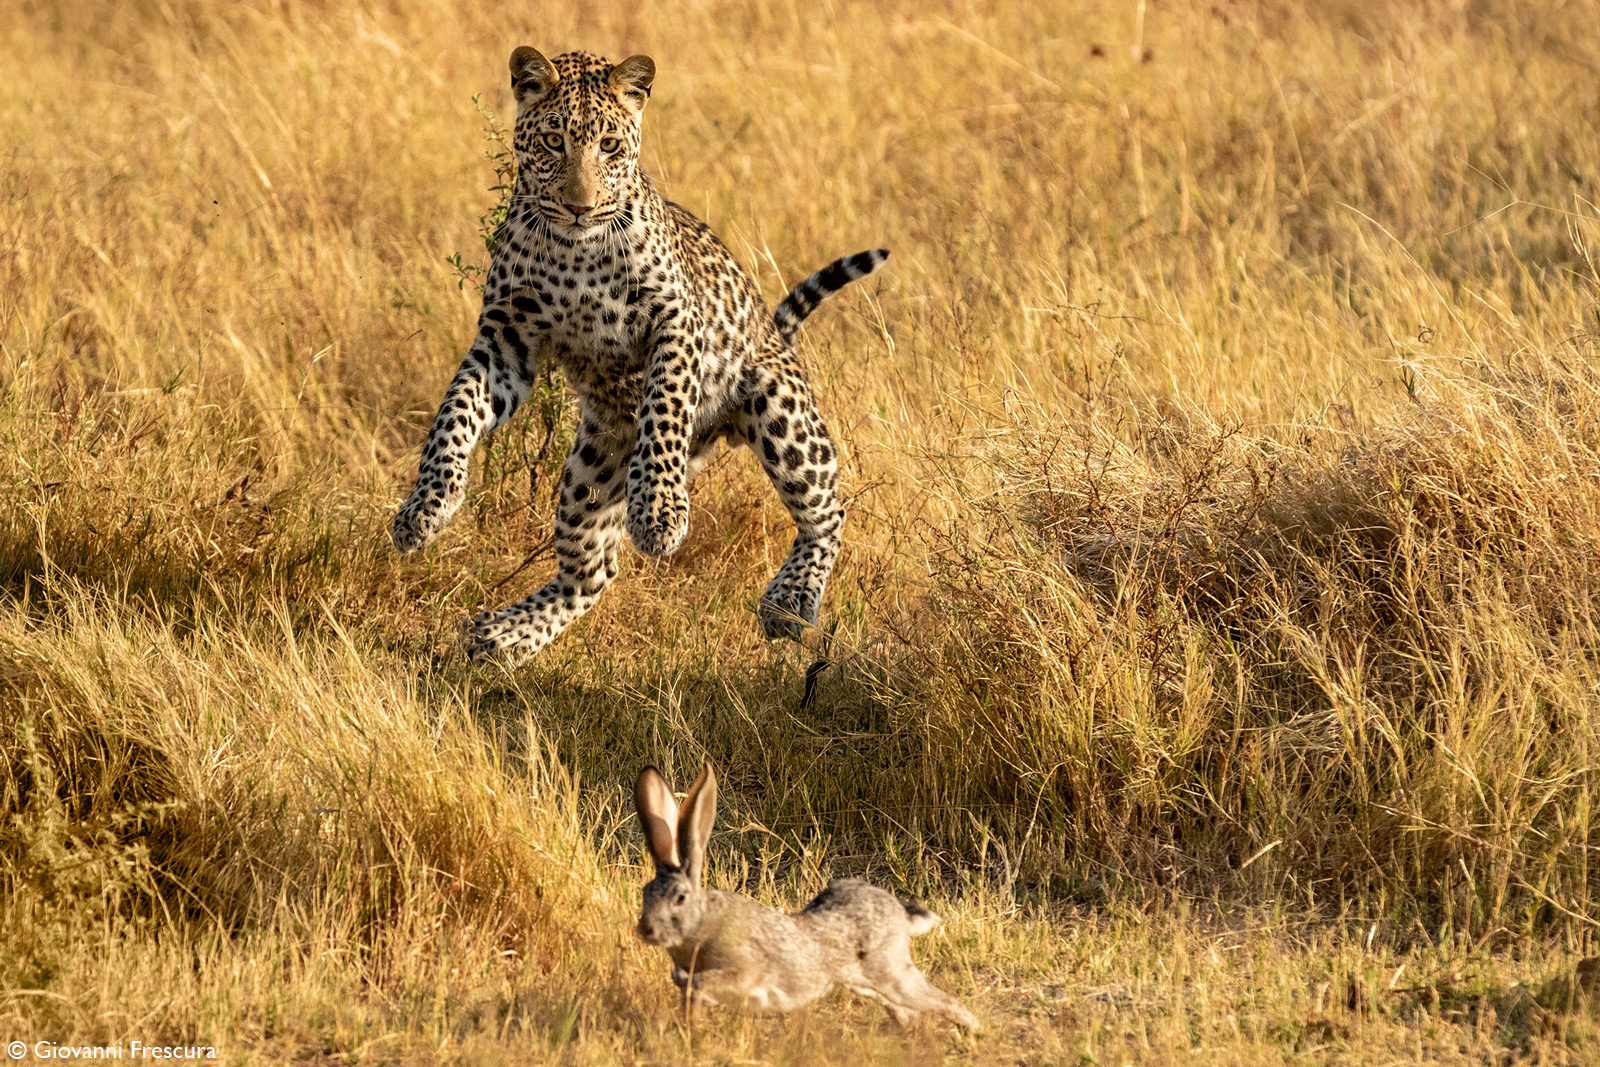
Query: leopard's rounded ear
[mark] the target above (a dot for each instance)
(532, 76)
(631, 79)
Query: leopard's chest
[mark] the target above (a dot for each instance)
(592, 306)
(601, 305)
(591, 314)
(599, 329)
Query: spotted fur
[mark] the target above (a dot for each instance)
(663, 336)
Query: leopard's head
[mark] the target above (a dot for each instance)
(577, 136)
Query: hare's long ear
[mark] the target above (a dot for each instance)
(658, 815)
(694, 825)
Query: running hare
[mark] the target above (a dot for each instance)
(728, 949)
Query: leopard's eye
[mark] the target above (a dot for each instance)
(553, 141)
(609, 144)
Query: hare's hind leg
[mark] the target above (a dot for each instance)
(906, 992)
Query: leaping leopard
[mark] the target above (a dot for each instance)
(663, 336)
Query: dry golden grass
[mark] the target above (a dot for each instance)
(1216, 639)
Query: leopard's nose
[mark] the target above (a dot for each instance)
(578, 209)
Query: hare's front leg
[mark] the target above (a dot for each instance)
(723, 988)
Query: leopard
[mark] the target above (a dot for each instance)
(663, 337)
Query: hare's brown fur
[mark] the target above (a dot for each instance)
(731, 950)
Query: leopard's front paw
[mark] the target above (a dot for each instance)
(419, 521)
(786, 610)
(657, 524)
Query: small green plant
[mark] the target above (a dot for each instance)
(503, 158)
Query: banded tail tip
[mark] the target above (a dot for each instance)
(804, 298)
(864, 263)
(840, 273)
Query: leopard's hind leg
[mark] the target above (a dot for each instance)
(778, 420)
(587, 531)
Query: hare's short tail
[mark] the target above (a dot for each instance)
(920, 919)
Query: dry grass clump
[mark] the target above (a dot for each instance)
(242, 777)
(1358, 664)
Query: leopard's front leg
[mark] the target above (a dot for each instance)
(491, 384)
(658, 476)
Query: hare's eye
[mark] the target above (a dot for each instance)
(681, 898)
(609, 144)
(553, 141)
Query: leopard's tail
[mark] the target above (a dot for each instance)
(804, 298)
